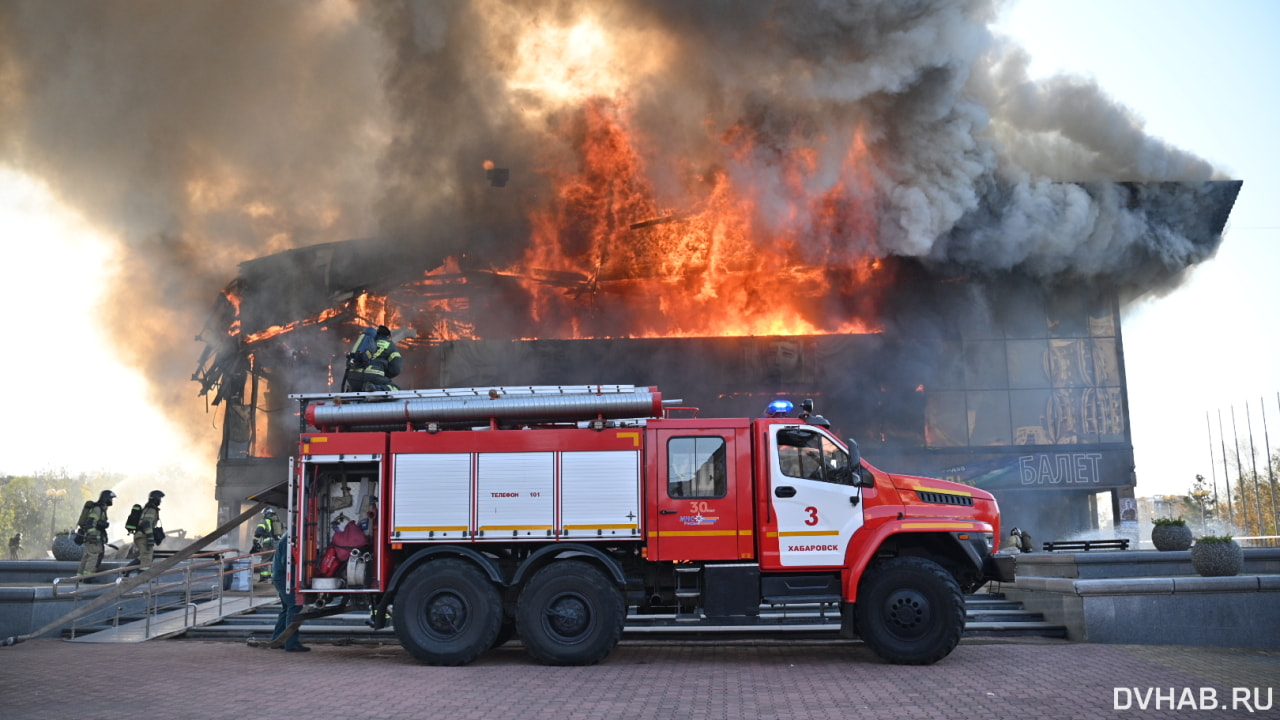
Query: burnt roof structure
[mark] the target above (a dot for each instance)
(1008, 378)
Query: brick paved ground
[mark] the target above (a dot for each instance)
(1018, 679)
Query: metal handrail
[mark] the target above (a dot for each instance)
(152, 593)
(1258, 540)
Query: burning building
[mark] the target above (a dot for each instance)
(997, 379)
(866, 203)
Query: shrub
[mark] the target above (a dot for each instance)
(1160, 522)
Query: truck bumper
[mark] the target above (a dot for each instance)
(998, 567)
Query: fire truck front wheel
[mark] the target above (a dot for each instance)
(910, 611)
(570, 614)
(447, 613)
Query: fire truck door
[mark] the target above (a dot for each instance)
(816, 507)
(697, 495)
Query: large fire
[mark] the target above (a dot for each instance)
(715, 249)
(606, 259)
(718, 266)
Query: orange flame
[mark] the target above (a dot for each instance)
(277, 330)
(737, 256)
(719, 267)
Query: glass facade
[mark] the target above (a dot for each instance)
(1044, 371)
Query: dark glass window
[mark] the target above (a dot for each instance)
(696, 467)
(988, 417)
(1049, 374)
(811, 456)
(984, 366)
(945, 420)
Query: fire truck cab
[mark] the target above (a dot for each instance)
(470, 515)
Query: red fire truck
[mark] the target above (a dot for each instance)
(470, 515)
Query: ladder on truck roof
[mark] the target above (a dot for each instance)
(487, 391)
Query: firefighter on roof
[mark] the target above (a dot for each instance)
(148, 533)
(373, 361)
(93, 528)
(265, 537)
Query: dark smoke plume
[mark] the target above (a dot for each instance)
(201, 135)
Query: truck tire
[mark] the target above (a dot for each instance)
(910, 611)
(447, 613)
(570, 614)
(506, 633)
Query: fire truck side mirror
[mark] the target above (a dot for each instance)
(860, 476)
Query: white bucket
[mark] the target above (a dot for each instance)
(240, 580)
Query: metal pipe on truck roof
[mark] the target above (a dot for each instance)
(529, 408)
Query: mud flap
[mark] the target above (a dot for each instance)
(999, 567)
(847, 625)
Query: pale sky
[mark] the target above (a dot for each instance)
(1200, 74)
(54, 418)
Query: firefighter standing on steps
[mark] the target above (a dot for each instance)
(94, 531)
(373, 361)
(148, 534)
(265, 537)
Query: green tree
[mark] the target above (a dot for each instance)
(31, 504)
(1255, 511)
(1199, 505)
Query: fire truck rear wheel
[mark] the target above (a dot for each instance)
(447, 613)
(570, 614)
(506, 633)
(910, 611)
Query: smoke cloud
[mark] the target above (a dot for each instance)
(202, 135)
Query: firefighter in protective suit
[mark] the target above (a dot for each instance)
(265, 538)
(373, 361)
(148, 534)
(95, 533)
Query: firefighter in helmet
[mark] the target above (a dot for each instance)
(149, 533)
(94, 530)
(265, 538)
(373, 361)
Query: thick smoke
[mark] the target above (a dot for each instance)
(197, 134)
(202, 135)
(964, 159)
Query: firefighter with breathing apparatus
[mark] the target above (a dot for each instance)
(373, 361)
(265, 538)
(148, 533)
(91, 531)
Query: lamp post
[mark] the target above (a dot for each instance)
(53, 495)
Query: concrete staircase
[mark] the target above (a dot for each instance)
(994, 615)
(988, 615)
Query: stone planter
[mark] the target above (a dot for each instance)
(64, 548)
(1171, 537)
(1217, 558)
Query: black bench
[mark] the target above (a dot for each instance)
(1087, 545)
